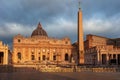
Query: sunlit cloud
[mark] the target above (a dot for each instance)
(61, 28)
(12, 29)
(103, 26)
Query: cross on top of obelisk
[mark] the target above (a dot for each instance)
(79, 5)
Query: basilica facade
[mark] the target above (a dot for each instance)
(40, 48)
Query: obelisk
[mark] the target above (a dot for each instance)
(80, 37)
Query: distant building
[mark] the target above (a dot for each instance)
(3, 54)
(39, 48)
(102, 51)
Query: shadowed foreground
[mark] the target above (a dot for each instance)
(59, 76)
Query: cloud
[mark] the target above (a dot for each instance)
(11, 29)
(33, 11)
(104, 27)
(61, 28)
(59, 17)
(107, 7)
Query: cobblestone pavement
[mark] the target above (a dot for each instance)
(59, 76)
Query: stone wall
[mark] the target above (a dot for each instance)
(5, 69)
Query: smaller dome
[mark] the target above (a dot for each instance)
(39, 31)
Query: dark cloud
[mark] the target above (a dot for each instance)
(33, 11)
(106, 7)
(58, 17)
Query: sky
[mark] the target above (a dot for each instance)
(59, 18)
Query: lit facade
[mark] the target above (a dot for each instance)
(3, 54)
(102, 51)
(39, 48)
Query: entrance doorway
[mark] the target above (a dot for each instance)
(104, 60)
(66, 57)
(1, 57)
(118, 59)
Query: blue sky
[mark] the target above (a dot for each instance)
(59, 18)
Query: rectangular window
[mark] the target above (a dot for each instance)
(104, 60)
(39, 58)
(54, 57)
(43, 57)
(32, 57)
(114, 56)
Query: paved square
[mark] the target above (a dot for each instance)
(59, 76)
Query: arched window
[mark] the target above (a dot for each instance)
(19, 40)
(19, 55)
(66, 57)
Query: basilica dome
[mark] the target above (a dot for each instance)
(39, 31)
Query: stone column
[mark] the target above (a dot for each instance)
(107, 58)
(111, 56)
(116, 59)
(5, 56)
(98, 58)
